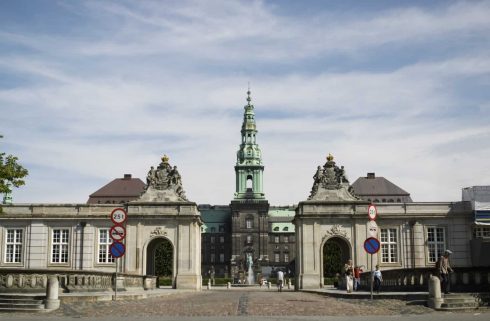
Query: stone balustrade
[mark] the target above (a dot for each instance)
(35, 281)
(462, 279)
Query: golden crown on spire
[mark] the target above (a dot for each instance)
(165, 159)
(329, 157)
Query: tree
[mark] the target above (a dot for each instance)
(11, 173)
(164, 258)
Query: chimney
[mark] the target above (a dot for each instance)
(127, 176)
(371, 175)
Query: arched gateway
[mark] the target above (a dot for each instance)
(163, 215)
(326, 219)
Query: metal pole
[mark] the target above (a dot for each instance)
(115, 282)
(372, 277)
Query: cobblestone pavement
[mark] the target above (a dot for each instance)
(239, 303)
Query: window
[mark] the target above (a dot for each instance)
(59, 246)
(435, 242)
(481, 232)
(276, 239)
(213, 257)
(249, 239)
(286, 248)
(276, 229)
(222, 257)
(286, 258)
(222, 239)
(286, 239)
(389, 247)
(277, 257)
(104, 247)
(249, 223)
(13, 251)
(212, 239)
(221, 228)
(285, 229)
(213, 230)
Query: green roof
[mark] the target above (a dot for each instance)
(282, 211)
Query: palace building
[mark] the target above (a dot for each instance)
(246, 234)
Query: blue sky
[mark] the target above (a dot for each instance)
(90, 90)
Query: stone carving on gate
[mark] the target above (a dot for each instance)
(163, 184)
(330, 183)
(158, 232)
(335, 230)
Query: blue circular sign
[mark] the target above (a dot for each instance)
(371, 245)
(117, 249)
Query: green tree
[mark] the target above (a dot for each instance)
(164, 258)
(11, 173)
(332, 259)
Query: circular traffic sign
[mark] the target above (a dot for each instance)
(119, 216)
(372, 212)
(372, 228)
(371, 245)
(117, 232)
(117, 249)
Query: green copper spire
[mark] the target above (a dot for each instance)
(249, 169)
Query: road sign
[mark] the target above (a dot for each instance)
(371, 245)
(372, 229)
(119, 216)
(117, 233)
(117, 249)
(372, 212)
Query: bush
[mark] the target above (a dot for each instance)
(329, 281)
(218, 281)
(165, 281)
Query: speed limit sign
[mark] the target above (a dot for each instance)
(119, 216)
(372, 212)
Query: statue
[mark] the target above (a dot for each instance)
(164, 183)
(331, 183)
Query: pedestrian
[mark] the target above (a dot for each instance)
(280, 280)
(378, 278)
(444, 269)
(349, 275)
(357, 278)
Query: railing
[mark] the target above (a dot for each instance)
(407, 280)
(35, 281)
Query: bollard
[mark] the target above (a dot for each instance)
(435, 298)
(209, 284)
(228, 285)
(269, 285)
(289, 284)
(52, 301)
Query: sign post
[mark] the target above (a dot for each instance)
(372, 244)
(117, 234)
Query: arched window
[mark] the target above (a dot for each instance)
(276, 229)
(249, 182)
(398, 200)
(285, 229)
(249, 223)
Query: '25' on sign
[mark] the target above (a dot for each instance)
(119, 216)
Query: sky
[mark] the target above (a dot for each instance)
(92, 90)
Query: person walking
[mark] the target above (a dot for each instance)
(357, 278)
(444, 269)
(349, 275)
(378, 278)
(280, 280)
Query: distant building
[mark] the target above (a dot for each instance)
(379, 190)
(119, 191)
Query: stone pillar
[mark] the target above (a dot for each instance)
(435, 297)
(52, 301)
(418, 245)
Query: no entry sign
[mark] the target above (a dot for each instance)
(371, 245)
(117, 249)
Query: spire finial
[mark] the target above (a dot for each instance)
(248, 94)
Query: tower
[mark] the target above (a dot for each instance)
(249, 169)
(249, 207)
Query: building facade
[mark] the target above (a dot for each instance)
(248, 233)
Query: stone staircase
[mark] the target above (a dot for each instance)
(459, 301)
(21, 303)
